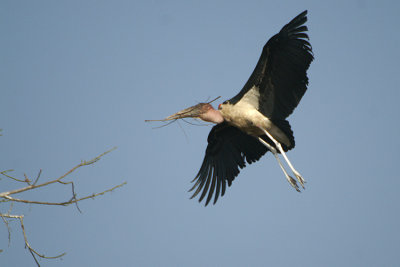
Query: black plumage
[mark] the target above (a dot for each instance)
(280, 75)
(280, 81)
(228, 150)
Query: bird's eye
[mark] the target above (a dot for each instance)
(224, 103)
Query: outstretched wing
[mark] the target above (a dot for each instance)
(280, 76)
(228, 149)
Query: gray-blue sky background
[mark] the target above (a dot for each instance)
(79, 77)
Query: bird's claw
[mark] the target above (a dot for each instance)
(293, 183)
(300, 179)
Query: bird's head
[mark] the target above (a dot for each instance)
(203, 111)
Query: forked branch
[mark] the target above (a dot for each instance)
(8, 196)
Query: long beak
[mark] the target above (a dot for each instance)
(192, 112)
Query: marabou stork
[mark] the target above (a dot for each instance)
(254, 121)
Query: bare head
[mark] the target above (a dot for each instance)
(203, 111)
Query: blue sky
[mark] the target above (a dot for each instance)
(80, 77)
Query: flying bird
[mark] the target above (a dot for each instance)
(254, 121)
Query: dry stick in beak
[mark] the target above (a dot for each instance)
(192, 112)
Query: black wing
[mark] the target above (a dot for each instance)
(228, 148)
(280, 76)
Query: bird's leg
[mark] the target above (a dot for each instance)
(279, 146)
(290, 179)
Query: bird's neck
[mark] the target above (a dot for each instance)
(212, 115)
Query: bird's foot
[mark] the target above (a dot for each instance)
(292, 182)
(299, 178)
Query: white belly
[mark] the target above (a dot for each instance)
(245, 117)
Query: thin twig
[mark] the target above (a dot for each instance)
(8, 228)
(186, 137)
(65, 203)
(21, 218)
(168, 123)
(197, 124)
(31, 250)
(73, 193)
(30, 187)
(7, 196)
(27, 180)
(8, 176)
(37, 178)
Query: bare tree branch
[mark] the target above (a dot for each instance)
(65, 203)
(30, 187)
(8, 197)
(31, 250)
